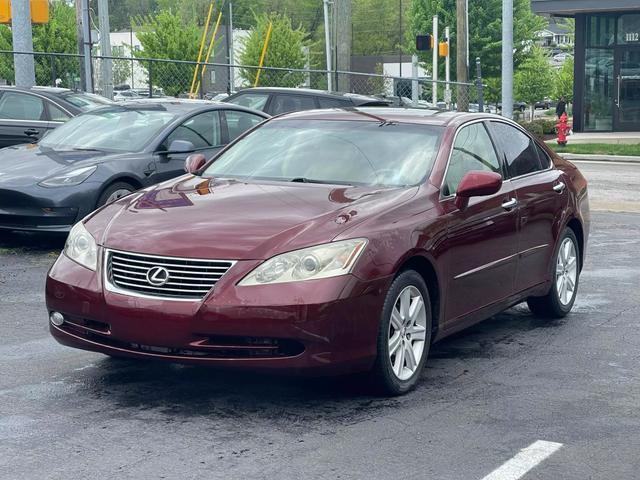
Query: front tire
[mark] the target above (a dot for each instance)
(566, 276)
(404, 335)
(114, 192)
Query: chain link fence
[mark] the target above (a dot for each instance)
(153, 77)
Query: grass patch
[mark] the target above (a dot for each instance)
(597, 149)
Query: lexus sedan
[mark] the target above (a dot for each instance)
(328, 241)
(107, 153)
(27, 114)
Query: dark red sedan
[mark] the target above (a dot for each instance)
(328, 241)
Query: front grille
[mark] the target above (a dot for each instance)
(167, 277)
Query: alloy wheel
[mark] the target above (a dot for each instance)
(118, 194)
(407, 332)
(566, 271)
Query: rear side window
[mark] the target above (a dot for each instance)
(21, 106)
(56, 114)
(520, 150)
(545, 160)
(472, 151)
(333, 103)
(291, 103)
(240, 122)
(257, 101)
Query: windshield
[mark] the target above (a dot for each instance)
(87, 101)
(335, 152)
(116, 129)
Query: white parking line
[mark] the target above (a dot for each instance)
(527, 459)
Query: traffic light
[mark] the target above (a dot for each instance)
(424, 43)
(39, 11)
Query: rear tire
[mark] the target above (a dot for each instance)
(566, 276)
(404, 335)
(114, 192)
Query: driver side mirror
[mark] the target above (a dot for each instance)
(181, 146)
(194, 163)
(477, 184)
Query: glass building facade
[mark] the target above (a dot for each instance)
(607, 62)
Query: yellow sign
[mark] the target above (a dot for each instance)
(39, 11)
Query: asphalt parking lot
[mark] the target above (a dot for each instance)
(486, 394)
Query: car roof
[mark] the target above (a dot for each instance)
(38, 89)
(182, 105)
(310, 91)
(389, 114)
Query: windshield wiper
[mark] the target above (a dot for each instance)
(325, 182)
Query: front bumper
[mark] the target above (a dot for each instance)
(36, 208)
(323, 326)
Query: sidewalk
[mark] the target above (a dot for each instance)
(625, 138)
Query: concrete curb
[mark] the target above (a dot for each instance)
(599, 158)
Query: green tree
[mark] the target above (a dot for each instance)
(485, 30)
(533, 79)
(167, 36)
(59, 36)
(284, 51)
(377, 25)
(563, 85)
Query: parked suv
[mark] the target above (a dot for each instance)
(275, 101)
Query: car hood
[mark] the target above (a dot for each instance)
(230, 219)
(25, 165)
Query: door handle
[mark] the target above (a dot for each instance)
(510, 204)
(618, 98)
(559, 188)
(31, 132)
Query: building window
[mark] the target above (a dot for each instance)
(601, 31)
(629, 29)
(598, 91)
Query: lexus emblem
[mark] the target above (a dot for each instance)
(157, 276)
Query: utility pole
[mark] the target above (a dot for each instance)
(434, 72)
(84, 44)
(22, 42)
(462, 67)
(105, 49)
(327, 44)
(232, 82)
(343, 42)
(447, 69)
(400, 41)
(507, 58)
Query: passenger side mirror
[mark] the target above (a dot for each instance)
(477, 184)
(181, 146)
(194, 162)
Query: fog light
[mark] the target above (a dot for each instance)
(56, 318)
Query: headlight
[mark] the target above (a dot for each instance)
(322, 261)
(81, 247)
(74, 177)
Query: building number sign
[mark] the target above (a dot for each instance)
(632, 37)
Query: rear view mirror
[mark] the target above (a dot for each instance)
(194, 162)
(477, 184)
(181, 146)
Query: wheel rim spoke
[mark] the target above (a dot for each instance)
(416, 307)
(405, 304)
(410, 357)
(394, 343)
(396, 320)
(418, 333)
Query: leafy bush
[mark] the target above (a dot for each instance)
(540, 127)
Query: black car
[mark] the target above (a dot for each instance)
(275, 101)
(107, 153)
(26, 114)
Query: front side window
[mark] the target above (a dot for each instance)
(520, 150)
(240, 122)
(202, 130)
(472, 151)
(112, 129)
(333, 152)
(21, 106)
(291, 103)
(257, 101)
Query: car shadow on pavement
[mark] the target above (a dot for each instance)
(177, 390)
(27, 242)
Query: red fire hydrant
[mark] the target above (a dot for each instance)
(563, 128)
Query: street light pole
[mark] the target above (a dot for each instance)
(507, 58)
(327, 42)
(105, 49)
